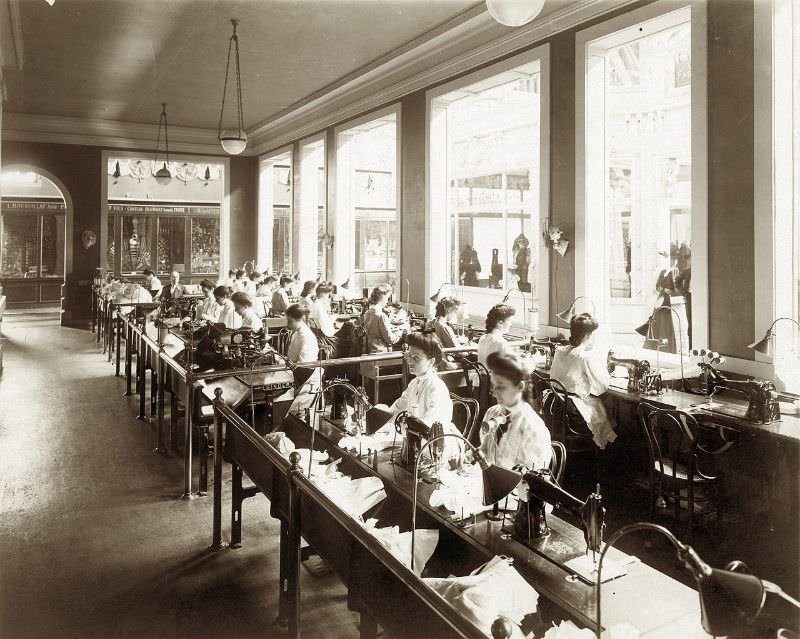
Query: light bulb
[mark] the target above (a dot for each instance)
(163, 176)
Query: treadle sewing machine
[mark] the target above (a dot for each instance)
(641, 379)
(530, 520)
(762, 396)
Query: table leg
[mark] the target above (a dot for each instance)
(283, 567)
(141, 368)
(120, 324)
(160, 447)
(155, 382)
(128, 358)
(187, 439)
(216, 535)
(237, 496)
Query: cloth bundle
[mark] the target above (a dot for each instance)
(399, 544)
(493, 590)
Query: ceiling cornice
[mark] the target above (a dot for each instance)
(414, 66)
(415, 69)
(106, 133)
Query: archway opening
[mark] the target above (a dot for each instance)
(34, 242)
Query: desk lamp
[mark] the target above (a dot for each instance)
(438, 294)
(731, 602)
(524, 305)
(567, 315)
(646, 330)
(497, 481)
(766, 345)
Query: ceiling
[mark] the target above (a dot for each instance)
(117, 60)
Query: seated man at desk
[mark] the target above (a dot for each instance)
(498, 323)
(175, 288)
(208, 309)
(227, 312)
(243, 305)
(426, 396)
(512, 434)
(446, 314)
(583, 372)
(381, 333)
(280, 298)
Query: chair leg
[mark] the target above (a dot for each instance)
(173, 422)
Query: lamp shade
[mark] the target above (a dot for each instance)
(646, 329)
(497, 481)
(765, 345)
(163, 176)
(729, 601)
(514, 13)
(567, 315)
(233, 141)
(376, 418)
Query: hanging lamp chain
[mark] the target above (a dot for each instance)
(233, 41)
(166, 129)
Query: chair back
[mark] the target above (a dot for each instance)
(558, 462)
(465, 415)
(559, 413)
(281, 342)
(671, 437)
(359, 343)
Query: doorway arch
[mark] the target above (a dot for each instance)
(68, 248)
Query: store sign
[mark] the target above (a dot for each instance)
(163, 209)
(18, 206)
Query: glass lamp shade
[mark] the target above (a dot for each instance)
(163, 176)
(764, 345)
(567, 315)
(514, 13)
(233, 141)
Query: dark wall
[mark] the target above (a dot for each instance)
(412, 194)
(731, 231)
(81, 171)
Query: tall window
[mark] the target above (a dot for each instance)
(485, 179)
(786, 165)
(638, 207)
(311, 223)
(366, 201)
(275, 212)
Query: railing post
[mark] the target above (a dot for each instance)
(141, 374)
(293, 550)
(118, 323)
(128, 357)
(188, 401)
(216, 535)
(161, 449)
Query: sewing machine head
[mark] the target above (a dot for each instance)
(531, 523)
(641, 379)
(762, 396)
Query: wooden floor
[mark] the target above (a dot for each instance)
(95, 542)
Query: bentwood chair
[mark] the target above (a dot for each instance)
(678, 465)
(560, 415)
(466, 416)
(558, 463)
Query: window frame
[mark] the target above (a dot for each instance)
(341, 267)
(266, 215)
(299, 249)
(437, 212)
(699, 154)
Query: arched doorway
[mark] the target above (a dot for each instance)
(35, 239)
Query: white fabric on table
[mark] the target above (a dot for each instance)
(399, 544)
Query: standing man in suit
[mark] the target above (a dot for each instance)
(175, 289)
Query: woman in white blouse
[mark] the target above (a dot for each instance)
(582, 370)
(243, 305)
(302, 347)
(446, 314)
(227, 313)
(512, 434)
(498, 323)
(208, 309)
(426, 397)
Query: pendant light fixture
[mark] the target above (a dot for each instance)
(233, 140)
(514, 13)
(163, 176)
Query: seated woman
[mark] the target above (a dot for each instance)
(447, 313)
(426, 396)
(512, 434)
(302, 347)
(307, 296)
(243, 304)
(498, 323)
(381, 334)
(280, 298)
(208, 309)
(252, 283)
(267, 287)
(582, 371)
(241, 281)
(227, 312)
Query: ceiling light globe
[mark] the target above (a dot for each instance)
(233, 141)
(514, 13)
(163, 176)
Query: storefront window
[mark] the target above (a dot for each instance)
(53, 228)
(20, 243)
(638, 171)
(205, 245)
(138, 243)
(486, 141)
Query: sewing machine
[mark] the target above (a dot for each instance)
(238, 348)
(416, 432)
(641, 379)
(762, 397)
(530, 521)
